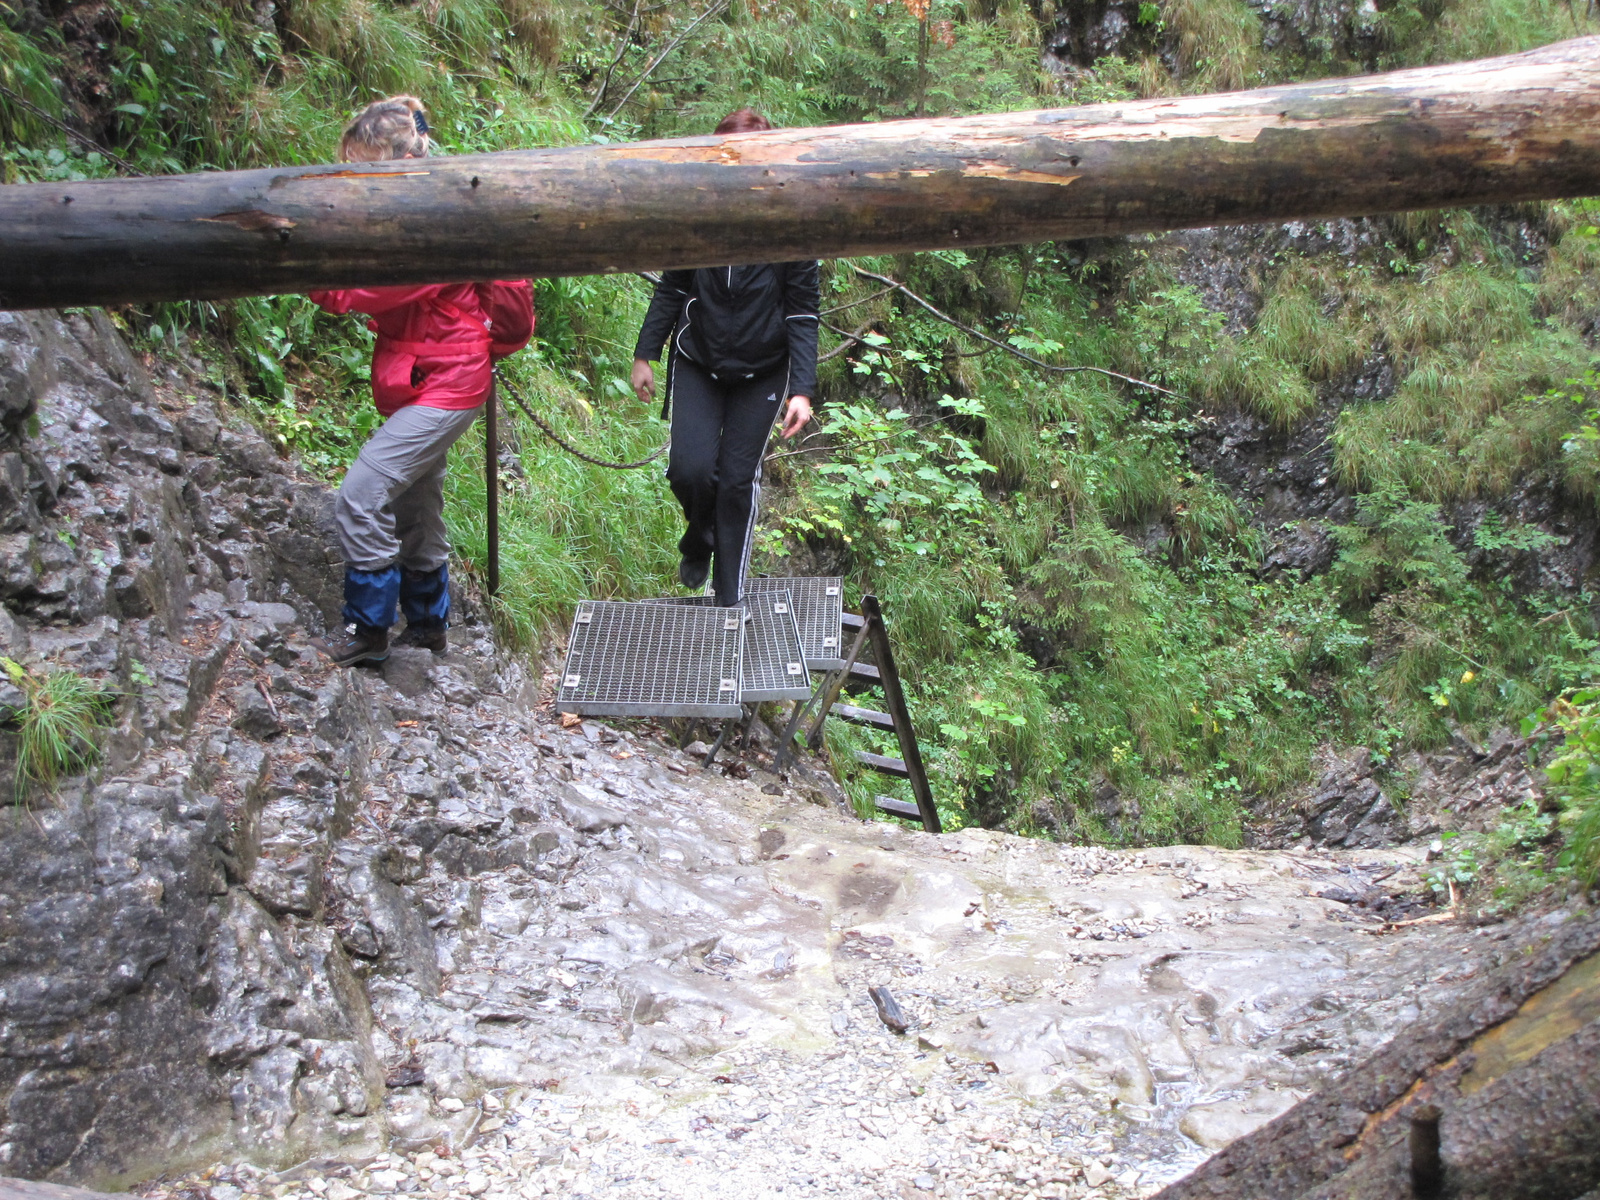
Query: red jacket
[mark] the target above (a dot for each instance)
(436, 344)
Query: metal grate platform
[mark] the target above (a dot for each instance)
(774, 657)
(818, 611)
(774, 662)
(652, 660)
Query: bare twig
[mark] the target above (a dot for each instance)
(622, 49)
(81, 138)
(896, 285)
(716, 8)
(856, 303)
(266, 695)
(850, 339)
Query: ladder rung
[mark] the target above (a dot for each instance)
(881, 762)
(898, 808)
(865, 671)
(852, 620)
(863, 716)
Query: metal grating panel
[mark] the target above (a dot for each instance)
(774, 662)
(774, 659)
(818, 611)
(652, 660)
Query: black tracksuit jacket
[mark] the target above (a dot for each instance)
(738, 322)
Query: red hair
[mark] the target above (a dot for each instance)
(743, 120)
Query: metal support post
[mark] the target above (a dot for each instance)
(491, 445)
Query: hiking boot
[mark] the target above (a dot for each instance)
(357, 645)
(424, 637)
(692, 572)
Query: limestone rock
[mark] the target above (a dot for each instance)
(254, 714)
(1215, 1125)
(581, 808)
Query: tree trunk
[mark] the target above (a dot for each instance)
(1497, 1100)
(1525, 127)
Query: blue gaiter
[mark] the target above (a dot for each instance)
(369, 596)
(425, 595)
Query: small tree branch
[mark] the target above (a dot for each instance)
(856, 303)
(888, 437)
(622, 49)
(712, 11)
(850, 339)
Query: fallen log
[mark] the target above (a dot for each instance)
(1524, 127)
(1497, 1099)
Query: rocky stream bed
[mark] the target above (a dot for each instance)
(331, 933)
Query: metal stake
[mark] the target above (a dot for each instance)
(491, 442)
(1427, 1167)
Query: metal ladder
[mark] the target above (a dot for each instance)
(881, 671)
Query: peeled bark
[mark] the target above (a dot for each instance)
(1525, 127)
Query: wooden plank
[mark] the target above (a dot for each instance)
(882, 762)
(865, 671)
(852, 620)
(863, 716)
(1496, 131)
(898, 808)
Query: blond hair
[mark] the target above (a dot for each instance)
(387, 129)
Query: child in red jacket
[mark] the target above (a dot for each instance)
(431, 374)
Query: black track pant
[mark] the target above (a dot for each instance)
(720, 428)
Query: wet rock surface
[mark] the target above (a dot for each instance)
(327, 933)
(684, 1008)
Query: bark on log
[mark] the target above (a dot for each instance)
(1524, 127)
(1509, 1078)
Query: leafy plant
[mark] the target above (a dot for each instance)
(1395, 543)
(58, 729)
(1457, 864)
(1574, 777)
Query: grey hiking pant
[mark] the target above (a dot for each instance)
(390, 509)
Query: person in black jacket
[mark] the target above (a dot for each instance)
(743, 341)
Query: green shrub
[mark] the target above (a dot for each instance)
(1574, 776)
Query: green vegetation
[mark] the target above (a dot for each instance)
(1575, 781)
(1094, 644)
(59, 727)
(1548, 846)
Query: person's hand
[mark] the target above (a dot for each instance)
(797, 416)
(643, 380)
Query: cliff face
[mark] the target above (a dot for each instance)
(1289, 476)
(157, 996)
(233, 938)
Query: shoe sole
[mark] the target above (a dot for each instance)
(365, 660)
(359, 660)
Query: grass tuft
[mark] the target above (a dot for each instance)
(59, 727)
